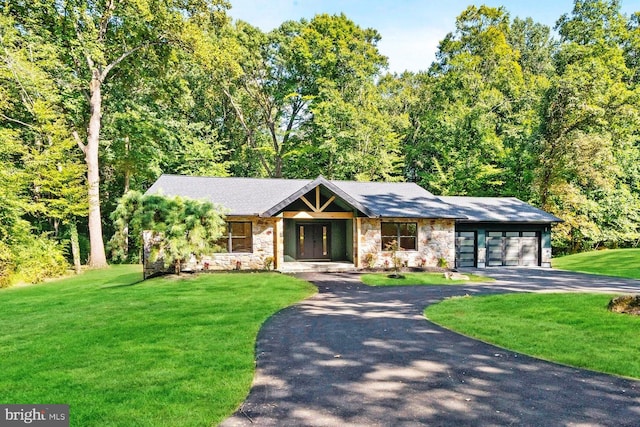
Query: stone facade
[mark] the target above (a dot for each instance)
(436, 242)
(263, 230)
(265, 238)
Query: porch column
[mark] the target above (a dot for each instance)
(278, 243)
(357, 227)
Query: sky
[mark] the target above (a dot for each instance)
(410, 29)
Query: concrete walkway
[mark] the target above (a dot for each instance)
(358, 355)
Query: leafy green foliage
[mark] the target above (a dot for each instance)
(475, 112)
(179, 227)
(7, 265)
(305, 102)
(37, 258)
(589, 132)
(41, 175)
(176, 87)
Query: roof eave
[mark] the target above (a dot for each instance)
(508, 221)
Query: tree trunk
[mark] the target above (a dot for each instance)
(127, 184)
(75, 246)
(97, 255)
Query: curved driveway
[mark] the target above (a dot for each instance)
(359, 355)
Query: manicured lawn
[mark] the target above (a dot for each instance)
(382, 279)
(120, 352)
(574, 329)
(610, 262)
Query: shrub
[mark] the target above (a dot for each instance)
(443, 263)
(38, 258)
(370, 259)
(7, 265)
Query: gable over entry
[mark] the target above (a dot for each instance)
(318, 226)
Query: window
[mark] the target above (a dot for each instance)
(237, 238)
(403, 233)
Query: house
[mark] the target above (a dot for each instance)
(297, 220)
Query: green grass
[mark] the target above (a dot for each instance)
(574, 329)
(382, 279)
(120, 352)
(611, 262)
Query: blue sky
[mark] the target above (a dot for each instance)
(410, 29)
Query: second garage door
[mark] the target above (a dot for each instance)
(512, 248)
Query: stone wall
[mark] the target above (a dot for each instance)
(263, 230)
(436, 240)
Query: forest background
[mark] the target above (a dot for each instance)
(100, 97)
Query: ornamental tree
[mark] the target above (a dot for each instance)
(181, 227)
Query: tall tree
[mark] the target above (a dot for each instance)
(476, 106)
(96, 37)
(306, 94)
(33, 120)
(589, 137)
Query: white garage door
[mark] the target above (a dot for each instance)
(512, 248)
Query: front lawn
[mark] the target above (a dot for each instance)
(574, 329)
(121, 352)
(610, 262)
(383, 279)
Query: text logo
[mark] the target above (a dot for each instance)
(34, 415)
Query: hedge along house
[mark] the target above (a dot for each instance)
(291, 221)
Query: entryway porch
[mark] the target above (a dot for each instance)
(317, 267)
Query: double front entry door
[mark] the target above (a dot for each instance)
(313, 241)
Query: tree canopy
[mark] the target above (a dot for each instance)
(99, 98)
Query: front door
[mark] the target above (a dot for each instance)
(314, 241)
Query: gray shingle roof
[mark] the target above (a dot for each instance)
(240, 196)
(498, 209)
(398, 199)
(267, 197)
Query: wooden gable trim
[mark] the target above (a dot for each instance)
(328, 202)
(317, 207)
(318, 215)
(320, 180)
(308, 203)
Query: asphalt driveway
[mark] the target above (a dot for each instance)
(359, 355)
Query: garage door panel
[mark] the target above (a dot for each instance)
(529, 251)
(465, 249)
(512, 248)
(494, 251)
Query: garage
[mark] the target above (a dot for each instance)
(502, 248)
(501, 232)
